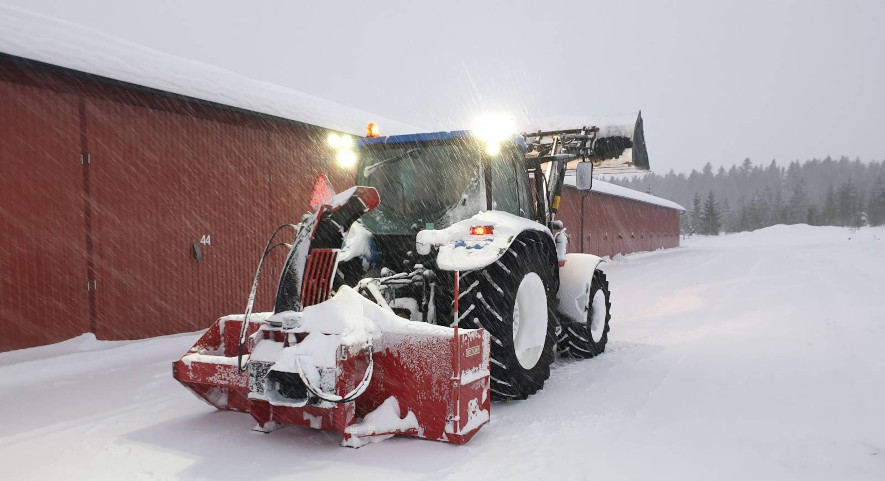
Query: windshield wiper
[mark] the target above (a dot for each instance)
(368, 170)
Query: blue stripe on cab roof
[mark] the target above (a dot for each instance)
(424, 137)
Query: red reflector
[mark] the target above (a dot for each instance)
(321, 192)
(482, 230)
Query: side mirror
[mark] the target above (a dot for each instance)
(584, 176)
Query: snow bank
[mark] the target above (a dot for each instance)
(792, 235)
(57, 42)
(458, 250)
(82, 343)
(603, 187)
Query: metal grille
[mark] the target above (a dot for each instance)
(318, 273)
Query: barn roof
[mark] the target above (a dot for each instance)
(44, 39)
(616, 190)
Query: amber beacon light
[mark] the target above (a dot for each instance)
(372, 130)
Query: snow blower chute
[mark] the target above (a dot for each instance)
(344, 362)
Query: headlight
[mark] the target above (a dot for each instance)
(346, 158)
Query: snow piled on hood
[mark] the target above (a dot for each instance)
(458, 250)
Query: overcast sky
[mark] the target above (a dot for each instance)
(716, 81)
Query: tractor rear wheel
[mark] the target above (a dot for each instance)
(587, 337)
(512, 299)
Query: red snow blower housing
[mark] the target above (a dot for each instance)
(344, 362)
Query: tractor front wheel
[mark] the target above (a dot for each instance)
(588, 336)
(512, 300)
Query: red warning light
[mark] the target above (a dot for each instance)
(482, 230)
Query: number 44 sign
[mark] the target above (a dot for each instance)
(206, 240)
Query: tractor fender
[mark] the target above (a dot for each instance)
(459, 250)
(574, 284)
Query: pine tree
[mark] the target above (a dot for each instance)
(848, 213)
(744, 219)
(798, 205)
(695, 215)
(876, 202)
(830, 207)
(710, 217)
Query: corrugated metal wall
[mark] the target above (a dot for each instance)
(106, 245)
(42, 241)
(616, 225)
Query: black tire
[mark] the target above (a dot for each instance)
(487, 300)
(576, 339)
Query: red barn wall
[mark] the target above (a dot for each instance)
(42, 243)
(616, 225)
(106, 246)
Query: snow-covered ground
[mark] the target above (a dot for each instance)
(750, 356)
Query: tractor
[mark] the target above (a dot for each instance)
(409, 302)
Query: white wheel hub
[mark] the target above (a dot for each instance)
(530, 320)
(597, 316)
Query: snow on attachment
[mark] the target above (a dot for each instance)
(346, 365)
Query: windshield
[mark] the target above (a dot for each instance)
(421, 185)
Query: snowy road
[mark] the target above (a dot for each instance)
(751, 356)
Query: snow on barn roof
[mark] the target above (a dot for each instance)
(44, 39)
(616, 190)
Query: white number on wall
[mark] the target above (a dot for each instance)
(206, 240)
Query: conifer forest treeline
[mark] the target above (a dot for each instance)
(750, 196)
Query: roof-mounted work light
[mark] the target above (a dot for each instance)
(493, 129)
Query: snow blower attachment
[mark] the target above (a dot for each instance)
(342, 362)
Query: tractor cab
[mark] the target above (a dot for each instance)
(433, 180)
(430, 181)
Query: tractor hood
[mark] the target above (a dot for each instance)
(462, 247)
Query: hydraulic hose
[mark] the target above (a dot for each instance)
(334, 398)
(268, 248)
